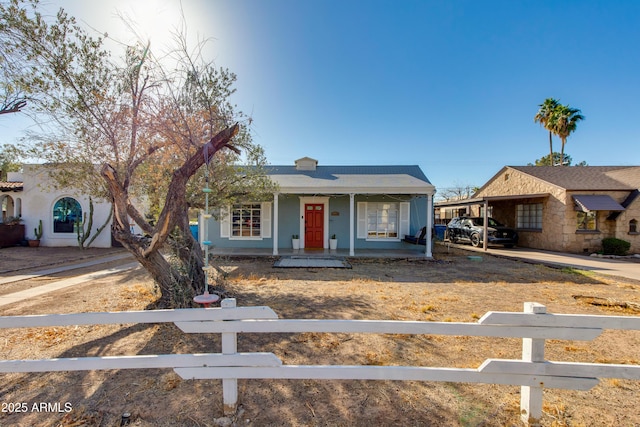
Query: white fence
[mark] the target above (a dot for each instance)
(532, 372)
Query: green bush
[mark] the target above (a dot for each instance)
(613, 246)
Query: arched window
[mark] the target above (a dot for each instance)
(633, 226)
(67, 213)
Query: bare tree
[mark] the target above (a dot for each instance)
(457, 192)
(147, 122)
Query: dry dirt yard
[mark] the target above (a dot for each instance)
(451, 288)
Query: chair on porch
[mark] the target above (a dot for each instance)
(418, 239)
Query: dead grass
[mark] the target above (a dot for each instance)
(451, 289)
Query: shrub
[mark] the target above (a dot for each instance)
(613, 246)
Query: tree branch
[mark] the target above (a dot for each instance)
(177, 188)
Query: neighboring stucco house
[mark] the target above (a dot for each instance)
(365, 207)
(26, 195)
(567, 209)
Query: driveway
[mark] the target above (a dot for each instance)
(628, 267)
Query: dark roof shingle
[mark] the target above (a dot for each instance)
(586, 178)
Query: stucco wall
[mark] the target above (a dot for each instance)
(38, 200)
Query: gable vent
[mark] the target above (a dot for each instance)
(306, 164)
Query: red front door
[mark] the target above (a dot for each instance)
(314, 225)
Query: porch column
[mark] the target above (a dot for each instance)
(429, 235)
(352, 217)
(485, 225)
(275, 223)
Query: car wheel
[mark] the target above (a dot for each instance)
(475, 240)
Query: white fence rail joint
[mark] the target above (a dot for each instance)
(532, 372)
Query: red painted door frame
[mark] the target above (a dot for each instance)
(314, 225)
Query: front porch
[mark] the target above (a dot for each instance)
(415, 252)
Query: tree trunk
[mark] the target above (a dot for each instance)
(551, 148)
(181, 278)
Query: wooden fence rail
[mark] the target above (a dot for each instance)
(532, 372)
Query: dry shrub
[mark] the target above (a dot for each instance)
(49, 336)
(378, 359)
(169, 381)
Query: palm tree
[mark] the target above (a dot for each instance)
(544, 115)
(563, 122)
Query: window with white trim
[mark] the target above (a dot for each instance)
(246, 220)
(251, 221)
(529, 216)
(383, 220)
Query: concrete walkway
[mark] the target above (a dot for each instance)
(64, 283)
(54, 270)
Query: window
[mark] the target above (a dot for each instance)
(586, 220)
(245, 220)
(250, 221)
(67, 215)
(633, 226)
(529, 216)
(382, 220)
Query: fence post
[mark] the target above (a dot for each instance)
(229, 346)
(532, 351)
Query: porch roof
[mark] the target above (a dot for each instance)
(488, 199)
(352, 179)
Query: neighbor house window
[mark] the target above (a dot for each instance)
(586, 220)
(245, 220)
(529, 216)
(633, 226)
(67, 215)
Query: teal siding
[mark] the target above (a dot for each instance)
(338, 214)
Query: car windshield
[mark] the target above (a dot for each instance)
(492, 222)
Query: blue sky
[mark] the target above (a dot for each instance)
(449, 85)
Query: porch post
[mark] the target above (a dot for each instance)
(275, 223)
(429, 235)
(351, 226)
(485, 225)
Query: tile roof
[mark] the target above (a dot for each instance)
(10, 186)
(586, 178)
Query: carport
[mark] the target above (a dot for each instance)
(484, 202)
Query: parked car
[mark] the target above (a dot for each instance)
(469, 229)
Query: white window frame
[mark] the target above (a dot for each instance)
(403, 221)
(265, 222)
